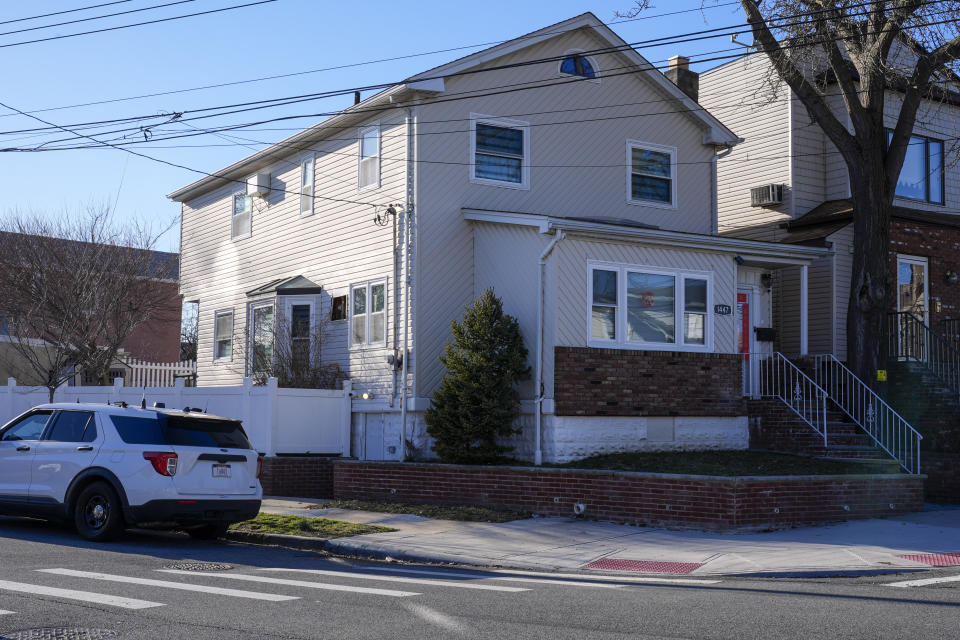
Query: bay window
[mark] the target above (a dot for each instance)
(644, 307)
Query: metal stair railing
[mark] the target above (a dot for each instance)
(951, 331)
(772, 375)
(912, 340)
(855, 398)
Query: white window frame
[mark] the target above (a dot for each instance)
(216, 339)
(621, 341)
(234, 215)
(505, 123)
(649, 146)
(579, 52)
(307, 190)
(251, 307)
(368, 344)
(360, 134)
(289, 302)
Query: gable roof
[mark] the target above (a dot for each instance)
(432, 80)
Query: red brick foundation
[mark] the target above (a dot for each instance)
(940, 244)
(943, 476)
(698, 502)
(297, 477)
(618, 382)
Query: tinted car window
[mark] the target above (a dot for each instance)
(138, 430)
(73, 426)
(28, 428)
(200, 432)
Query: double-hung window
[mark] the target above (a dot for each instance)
(649, 307)
(369, 167)
(651, 174)
(241, 222)
(301, 334)
(368, 315)
(921, 177)
(499, 152)
(306, 187)
(261, 338)
(223, 335)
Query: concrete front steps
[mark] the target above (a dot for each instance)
(775, 427)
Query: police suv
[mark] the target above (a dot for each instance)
(107, 467)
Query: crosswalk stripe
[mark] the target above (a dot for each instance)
(299, 583)
(925, 582)
(560, 578)
(253, 595)
(84, 596)
(373, 576)
(6, 613)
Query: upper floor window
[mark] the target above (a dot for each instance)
(921, 177)
(651, 174)
(577, 65)
(306, 187)
(369, 168)
(368, 315)
(242, 219)
(500, 150)
(646, 307)
(223, 335)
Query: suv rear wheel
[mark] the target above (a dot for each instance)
(97, 513)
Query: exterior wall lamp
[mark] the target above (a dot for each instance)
(952, 277)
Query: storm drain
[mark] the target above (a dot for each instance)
(935, 559)
(622, 564)
(199, 566)
(59, 633)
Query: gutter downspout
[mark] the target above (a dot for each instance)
(714, 190)
(407, 283)
(538, 452)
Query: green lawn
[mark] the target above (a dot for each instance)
(300, 526)
(725, 463)
(435, 511)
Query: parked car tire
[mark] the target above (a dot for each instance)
(97, 513)
(208, 531)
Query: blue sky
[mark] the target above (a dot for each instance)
(286, 36)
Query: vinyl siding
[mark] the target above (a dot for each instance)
(808, 159)
(739, 96)
(578, 134)
(335, 247)
(843, 270)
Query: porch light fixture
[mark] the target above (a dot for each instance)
(766, 279)
(739, 260)
(366, 395)
(952, 277)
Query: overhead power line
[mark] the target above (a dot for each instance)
(106, 15)
(58, 13)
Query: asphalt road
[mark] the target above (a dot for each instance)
(51, 579)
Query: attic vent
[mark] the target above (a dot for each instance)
(766, 195)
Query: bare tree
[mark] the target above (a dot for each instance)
(73, 289)
(885, 59)
(189, 331)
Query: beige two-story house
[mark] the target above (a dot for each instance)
(559, 168)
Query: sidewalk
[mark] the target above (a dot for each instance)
(551, 544)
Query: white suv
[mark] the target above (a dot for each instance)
(107, 467)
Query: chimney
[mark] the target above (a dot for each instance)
(679, 73)
(356, 97)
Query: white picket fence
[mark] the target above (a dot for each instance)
(277, 421)
(157, 374)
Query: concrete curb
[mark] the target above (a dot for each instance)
(303, 543)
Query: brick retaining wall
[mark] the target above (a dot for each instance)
(298, 477)
(620, 382)
(698, 502)
(943, 476)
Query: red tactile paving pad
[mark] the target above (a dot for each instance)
(935, 559)
(619, 564)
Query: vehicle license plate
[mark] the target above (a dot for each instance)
(221, 471)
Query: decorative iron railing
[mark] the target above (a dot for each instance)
(772, 375)
(912, 340)
(888, 429)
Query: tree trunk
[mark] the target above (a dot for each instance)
(869, 285)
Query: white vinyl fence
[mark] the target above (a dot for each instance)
(157, 374)
(277, 421)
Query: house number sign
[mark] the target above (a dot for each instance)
(722, 309)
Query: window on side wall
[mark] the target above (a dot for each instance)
(645, 308)
(369, 167)
(223, 336)
(921, 177)
(368, 315)
(500, 152)
(577, 64)
(242, 219)
(261, 337)
(651, 174)
(306, 187)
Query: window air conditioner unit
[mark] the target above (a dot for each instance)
(258, 185)
(766, 195)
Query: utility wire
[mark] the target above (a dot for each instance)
(136, 24)
(58, 13)
(106, 15)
